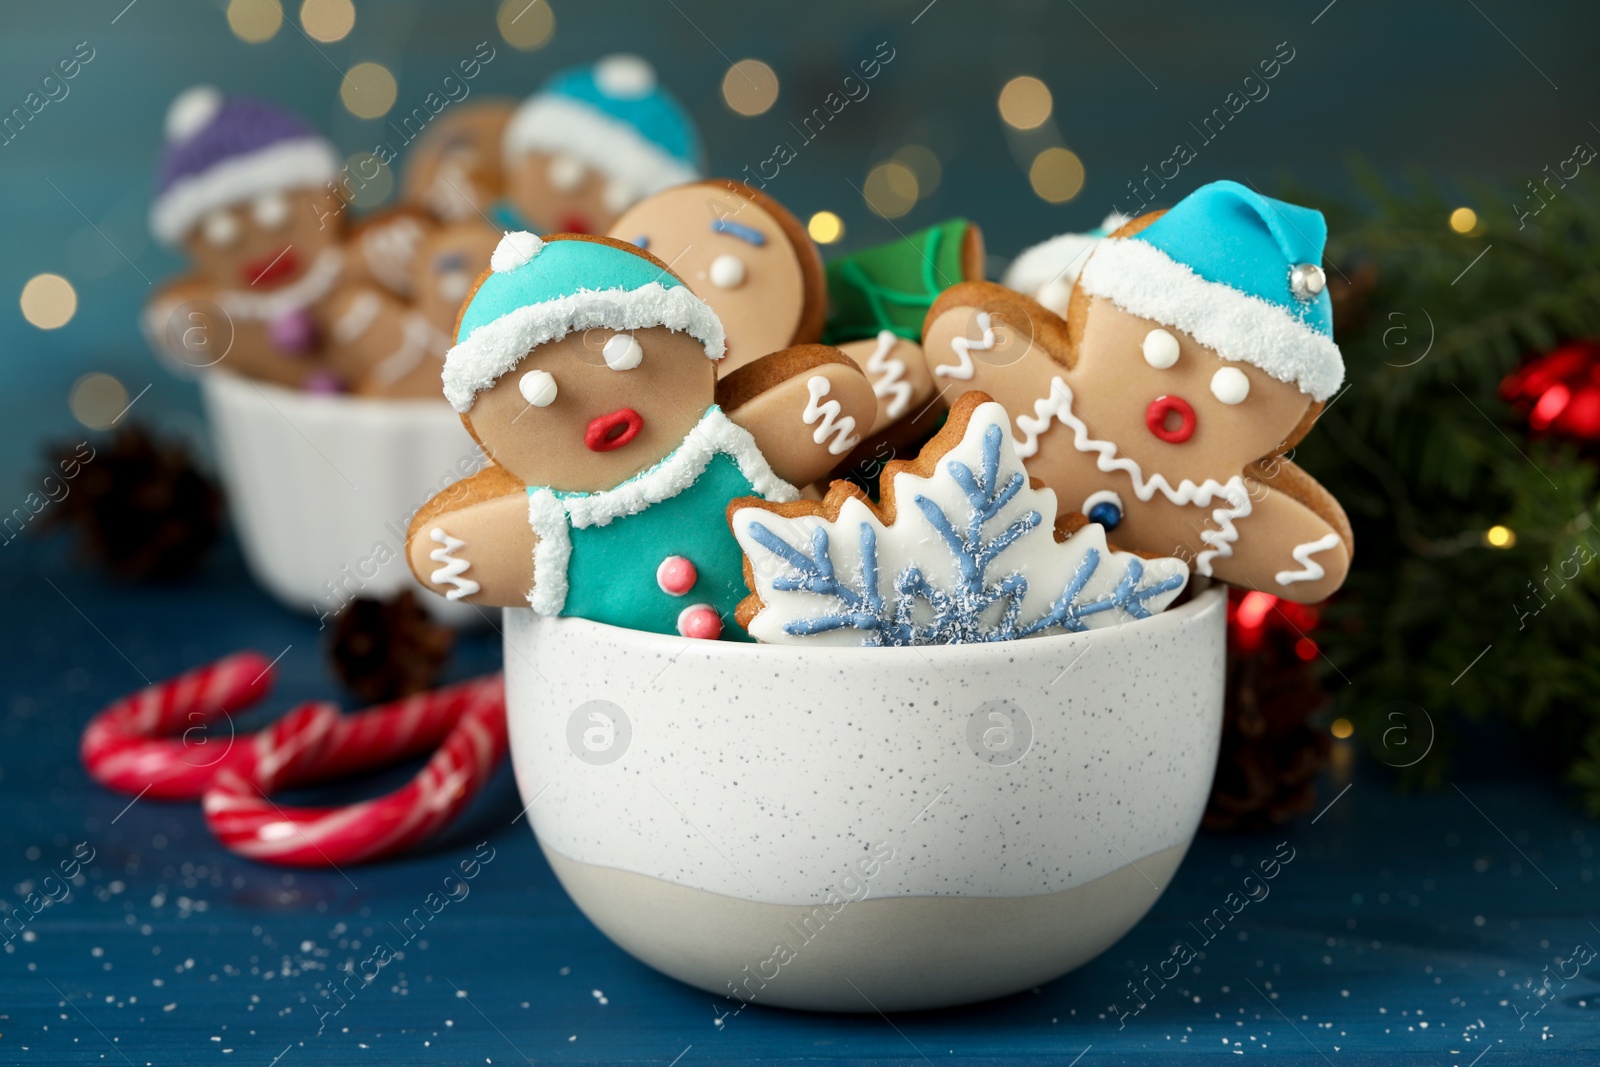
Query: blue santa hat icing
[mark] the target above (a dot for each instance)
(222, 152)
(539, 291)
(1238, 271)
(615, 118)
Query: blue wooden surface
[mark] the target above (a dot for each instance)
(1406, 930)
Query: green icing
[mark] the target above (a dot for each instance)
(611, 575)
(891, 286)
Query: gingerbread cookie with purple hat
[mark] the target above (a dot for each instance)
(1197, 349)
(592, 142)
(587, 371)
(248, 191)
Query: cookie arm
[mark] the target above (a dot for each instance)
(1296, 541)
(979, 335)
(806, 406)
(473, 542)
(899, 375)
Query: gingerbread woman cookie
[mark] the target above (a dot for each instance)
(591, 143)
(744, 254)
(454, 170)
(1196, 351)
(582, 369)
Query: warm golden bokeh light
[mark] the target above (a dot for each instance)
(921, 161)
(1342, 728)
(254, 20)
(750, 87)
(526, 24)
(49, 301)
(891, 189)
(1056, 175)
(825, 227)
(327, 20)
(1500, 537)
(97, 400)
(1463, 220)
(368, 90)
(1025, 102)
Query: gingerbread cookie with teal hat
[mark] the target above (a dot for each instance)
(1197, 349)
(587, 371)
(589, 144)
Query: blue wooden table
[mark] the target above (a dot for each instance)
(1447, 928)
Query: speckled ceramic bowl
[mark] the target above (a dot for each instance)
(321, 487)
(850, 829)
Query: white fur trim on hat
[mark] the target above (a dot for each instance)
(303, 161)
(1142, 280)
(497, 346)
(548, 123)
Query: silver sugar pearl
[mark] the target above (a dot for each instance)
(1307, 281)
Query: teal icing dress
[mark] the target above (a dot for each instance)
(599, 555)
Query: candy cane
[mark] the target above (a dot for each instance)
(127, 748)
(242, 815)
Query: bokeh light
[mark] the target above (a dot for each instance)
(1025, 102)
(1463, 220)
(825, 227)
(1500, 537)
(328, 20)
(750, 87)
(49, 301)
(526, 24)
(369, 179)
(368, 90)
(891, 189)
(921, 161)
(1342, 728)
(97, 400)
(254, 20)
(1056, 175)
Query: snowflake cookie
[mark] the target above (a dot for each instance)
(961, 550)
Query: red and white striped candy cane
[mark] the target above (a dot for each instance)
(242, 815)
(128, 748)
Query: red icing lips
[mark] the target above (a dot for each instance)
(1159, 415)
(610, 432)
(271, 271)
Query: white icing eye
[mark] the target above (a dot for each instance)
(453, 285)
(727, 271)
(622, 352)
(618, 196)
(538, 388)
(1230, 386)
(566, 173)
(220, 229)
(270, 210)
(1160, 349)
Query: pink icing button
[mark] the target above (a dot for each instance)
(676, 576)
(700, 621)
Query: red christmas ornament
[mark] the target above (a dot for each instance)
(1560, 391)
(1254, 615)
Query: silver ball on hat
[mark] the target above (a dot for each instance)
(1307, 281)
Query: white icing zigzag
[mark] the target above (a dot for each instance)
(964, 348)
(1058, 405)
(889, 375)
(453, 567)
(312, 286)
(842, 430)
(1313, 571)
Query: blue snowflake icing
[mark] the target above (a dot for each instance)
(954, 616)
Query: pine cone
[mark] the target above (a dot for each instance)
(1271, 752)
(141, 505)
(386, 649)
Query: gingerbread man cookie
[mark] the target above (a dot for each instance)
(1196, 351)
(591, 143)
(744, 254)
(582, 368)
(454, 170)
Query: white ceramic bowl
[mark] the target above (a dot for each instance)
(321, 487)
(850, 829)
